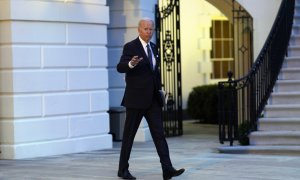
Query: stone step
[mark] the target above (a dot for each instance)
(268, 150)
(296, 29)
(285, 98)
(295, 37)
(286, 85)
(297, 6)
(290, 73)
(293, 61)
(275, 138)
(294, 50)
(297, 16)
(279, 124)
(282, 110)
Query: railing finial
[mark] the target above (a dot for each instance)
(230, 75)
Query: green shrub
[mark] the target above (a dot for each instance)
(202, 104)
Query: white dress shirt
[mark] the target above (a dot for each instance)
(145, 49)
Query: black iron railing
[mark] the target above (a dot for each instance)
(242, 101)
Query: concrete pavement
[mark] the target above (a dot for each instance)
(196, 151)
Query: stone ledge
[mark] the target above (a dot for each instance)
(57, 11)
(266, 150)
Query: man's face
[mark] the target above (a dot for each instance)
(146, 29)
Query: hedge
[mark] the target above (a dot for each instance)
(202, 104)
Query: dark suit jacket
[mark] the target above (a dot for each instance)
(142, 83)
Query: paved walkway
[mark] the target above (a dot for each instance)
(195, 151)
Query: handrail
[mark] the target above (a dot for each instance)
(241, 101)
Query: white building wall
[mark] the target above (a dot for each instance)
(263, 14)
(124, 17)
(54, 79)
(196, 44)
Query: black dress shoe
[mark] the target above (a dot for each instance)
(168, 174)
(125, 174)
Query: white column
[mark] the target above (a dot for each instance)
(124, 17)
(54, 79)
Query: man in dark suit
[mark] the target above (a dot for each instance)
(140, 63)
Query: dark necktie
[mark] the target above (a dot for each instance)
(149, 56)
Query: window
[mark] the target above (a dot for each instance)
(222, 48)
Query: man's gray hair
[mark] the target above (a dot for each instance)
(146, 19)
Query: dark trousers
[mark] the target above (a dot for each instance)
(153, 116)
